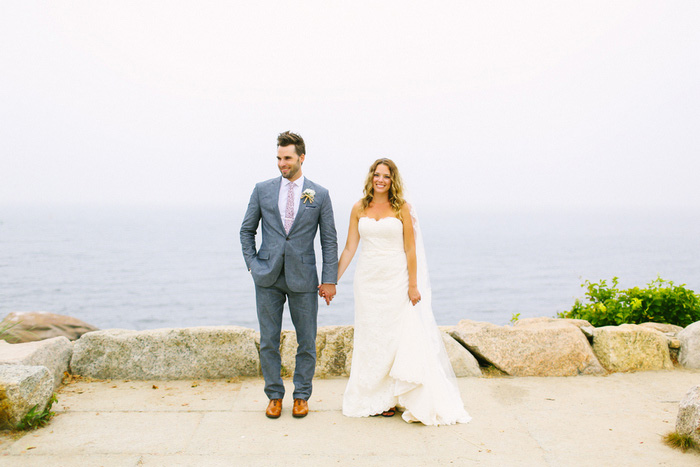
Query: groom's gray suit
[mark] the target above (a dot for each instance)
(285, 267)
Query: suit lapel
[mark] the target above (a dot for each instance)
(275, 202)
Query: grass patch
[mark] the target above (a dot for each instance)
(679, 441)
(5, 329)
(35, 419)
(490, 371)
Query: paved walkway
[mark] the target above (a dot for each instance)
(598, 421)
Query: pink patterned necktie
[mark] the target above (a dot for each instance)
(289, 212)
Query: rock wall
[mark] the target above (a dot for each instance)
(54, 354)
(333, 351)
(631, 347)
(334, 346)
(688, 419)
(21, 388)
(29, 326)
(160, 354)
(689, 341)
(532, 347)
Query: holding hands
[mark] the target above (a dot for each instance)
(327, 292)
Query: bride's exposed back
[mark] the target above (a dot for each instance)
(399, 360)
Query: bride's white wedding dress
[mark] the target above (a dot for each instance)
(399, 358)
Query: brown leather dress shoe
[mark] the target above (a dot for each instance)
(300, 409)
(274, 408)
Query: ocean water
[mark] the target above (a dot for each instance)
(153, 268)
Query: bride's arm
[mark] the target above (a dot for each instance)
(409, 246)
(352, 241)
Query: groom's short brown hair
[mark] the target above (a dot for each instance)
(287, 138)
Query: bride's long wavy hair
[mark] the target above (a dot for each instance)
(395, 190)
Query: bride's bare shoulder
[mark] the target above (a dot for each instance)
(356, 209)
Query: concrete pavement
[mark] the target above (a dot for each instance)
(577, 421)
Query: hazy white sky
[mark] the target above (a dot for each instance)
(483, 105)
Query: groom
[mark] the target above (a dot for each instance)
(292, 209)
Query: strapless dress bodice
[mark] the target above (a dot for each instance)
(383, 236)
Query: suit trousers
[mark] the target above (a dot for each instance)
(303, 308)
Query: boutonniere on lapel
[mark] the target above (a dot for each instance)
(308, 195)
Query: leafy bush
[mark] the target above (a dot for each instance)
(660, 302)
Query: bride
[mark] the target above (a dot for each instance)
(399, 359)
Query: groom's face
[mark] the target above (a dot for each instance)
(289, 162)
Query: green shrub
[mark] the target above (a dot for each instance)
(660, 302)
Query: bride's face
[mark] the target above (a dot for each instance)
(381, 182)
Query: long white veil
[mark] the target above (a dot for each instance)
(424, 380)
(424, 307)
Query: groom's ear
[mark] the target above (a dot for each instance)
(301, 158)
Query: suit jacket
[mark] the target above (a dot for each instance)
(294, 251)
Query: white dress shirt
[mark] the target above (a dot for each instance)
(284, 190)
